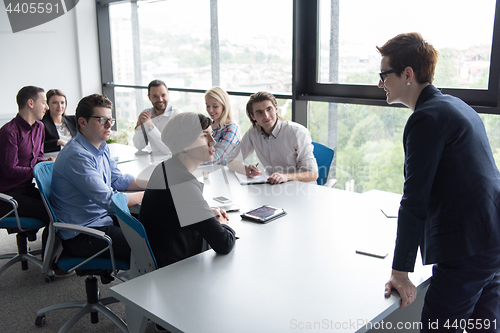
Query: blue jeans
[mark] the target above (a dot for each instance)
(464, 294)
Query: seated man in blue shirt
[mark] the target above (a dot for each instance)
(84, 179)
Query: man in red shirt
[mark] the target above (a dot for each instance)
(22, 147)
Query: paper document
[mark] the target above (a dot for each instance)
(244, 180)
(388, 202)
(390, 213)
(391, 208)
(124, 158)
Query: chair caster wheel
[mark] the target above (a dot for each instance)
(40, 321)
(49, 279)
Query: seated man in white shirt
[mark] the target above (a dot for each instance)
(151, 122)
(283, 147)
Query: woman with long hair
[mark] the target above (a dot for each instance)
(59, 128)
(226, 133)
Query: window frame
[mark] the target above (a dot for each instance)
(306, 66)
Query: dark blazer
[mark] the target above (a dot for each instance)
(451, 196)
(177, 218)
(51, 135)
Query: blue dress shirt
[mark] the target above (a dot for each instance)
(83, 181)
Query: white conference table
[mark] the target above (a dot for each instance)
(297, 272)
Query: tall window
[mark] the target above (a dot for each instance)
(461, 32)
(197, 44)
(321, 58)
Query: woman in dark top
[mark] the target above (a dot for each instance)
(174, 213)
(59, 128)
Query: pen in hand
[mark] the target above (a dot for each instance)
(256, 165)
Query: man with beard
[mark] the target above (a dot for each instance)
(151, 122)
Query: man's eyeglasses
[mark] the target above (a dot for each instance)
(104, 120)
(383, 75)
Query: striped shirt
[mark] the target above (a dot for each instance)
(227, 138)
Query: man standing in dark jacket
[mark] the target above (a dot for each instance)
(451, 197)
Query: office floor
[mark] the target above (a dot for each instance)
(23, 293)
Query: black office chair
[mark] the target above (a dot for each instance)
(26, 229)
(89, 267)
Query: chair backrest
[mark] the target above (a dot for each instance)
(43, 177)
(324, 158)
(143, 259)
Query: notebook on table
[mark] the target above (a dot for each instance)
(261, 179)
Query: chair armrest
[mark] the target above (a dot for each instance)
(8, 199)
(81, 229)
(5, 197)
(92, 232)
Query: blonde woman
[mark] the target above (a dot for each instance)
(225, 132)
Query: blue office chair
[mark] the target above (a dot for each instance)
(83, 266)
(26, 229)
(142, 259)
(324, 157)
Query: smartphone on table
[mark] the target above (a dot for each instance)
(222, 199)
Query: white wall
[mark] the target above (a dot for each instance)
(62, 54)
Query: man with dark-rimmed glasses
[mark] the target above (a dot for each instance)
(384, 74)
(84, 179)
